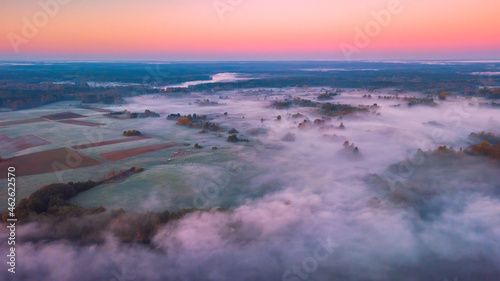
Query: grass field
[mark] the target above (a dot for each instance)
(102, 143)
(81, 123)
(95, 109)
(20, 122)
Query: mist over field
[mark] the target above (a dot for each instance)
(295, 202)
(257, 140)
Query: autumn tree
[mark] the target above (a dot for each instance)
(131, 133)
(492, 152)
(443, 95)
(111, 174)
(184, 121)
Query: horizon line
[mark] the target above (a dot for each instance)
(465, 60)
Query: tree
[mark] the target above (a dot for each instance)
(232, 138)
(492, 152)
(131, 133)
(36, 205)
(184, 121)
(443, 95)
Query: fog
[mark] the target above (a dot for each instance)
(308, 208)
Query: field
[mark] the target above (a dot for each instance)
(103, 143)
(20, 122)
(47, 161)
(20, 143)
(95, 109)
(81, 123)
(62, 116)
(131, 152)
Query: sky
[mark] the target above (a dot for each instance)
(249, 29)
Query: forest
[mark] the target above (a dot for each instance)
(23, 87)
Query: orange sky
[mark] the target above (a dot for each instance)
(249, 29)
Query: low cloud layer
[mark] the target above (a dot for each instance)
(309, 208)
